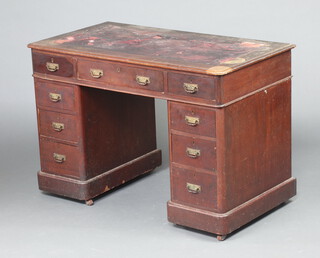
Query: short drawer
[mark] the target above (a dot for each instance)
(191, 85)
(58, 125)
(55, 95)
(192, 119)
(52, 64)
(120, 75)
(194, 188)
(61, 159)
(193, 151)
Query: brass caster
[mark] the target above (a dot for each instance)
(89, 202)
(221, 237)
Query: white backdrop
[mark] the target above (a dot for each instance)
(131, 222)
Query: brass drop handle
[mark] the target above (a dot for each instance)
(57, 126)
(192, 188)
(142, 80)
(55, 97)
(192, 121)
(59, 158)
(52, 67)
(190, 88)
(193, 153)
(96, 73)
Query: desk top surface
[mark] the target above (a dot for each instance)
(203, 53)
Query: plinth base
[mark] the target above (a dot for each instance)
(225, 223)
(86, 190)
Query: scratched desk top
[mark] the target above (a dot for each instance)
(180, 50)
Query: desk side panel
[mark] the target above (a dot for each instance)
(254, 145)
(254, 77)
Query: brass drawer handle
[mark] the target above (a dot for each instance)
(192, 121)
(142, 80)
(52, 67)
(193, 153)
(192, 188)
(190, 88)
(96, 73)
(59, 158)
(57, 126)
(55, 97)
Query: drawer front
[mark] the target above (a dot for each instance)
(61, 159)
(190, 85)
(120, 75)
(55, 95)
(193, 151)
(52, 64)
(194, 188)
(58, 125)
(192, 119)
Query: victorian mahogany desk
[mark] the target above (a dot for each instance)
(229, 116)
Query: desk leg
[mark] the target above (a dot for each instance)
(117, 143)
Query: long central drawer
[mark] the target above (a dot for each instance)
(119, 74)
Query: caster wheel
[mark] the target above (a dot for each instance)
(89, 202)
(221, 237)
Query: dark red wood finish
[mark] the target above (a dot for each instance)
(117, 128)
(66, 91)
(102, 131)
(206, 85)
(238, 120)
(70, 125)
(247, 80)
(206, 125)
(255, 143)
(120, 75)
(73, 166)
(66, 64)
(207, 148)
(207, 196)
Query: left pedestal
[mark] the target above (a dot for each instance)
(92, 140)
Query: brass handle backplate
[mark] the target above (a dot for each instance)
(193, 153)
(57, 126)
(190, 88)
(59, 158)
(96, 73)
(142, 80)
(192, 188)
(55, 97)
(193, 121)
(52, 67)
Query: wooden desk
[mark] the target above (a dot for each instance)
(229, 115)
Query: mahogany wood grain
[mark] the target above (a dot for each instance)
(163, 48)
(207, 196)
(120, 75)
(117, 128)
(254, 77)
(241, 161)
(256, 149)
(207, 148)
(70, 123)
(73, 166)
(225, 223)
(206, 85)
(206, 117)
(88, 189)
(68, 98)
(40, 60)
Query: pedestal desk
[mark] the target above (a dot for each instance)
(229, 116)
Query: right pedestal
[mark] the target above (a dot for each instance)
(230, 165)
